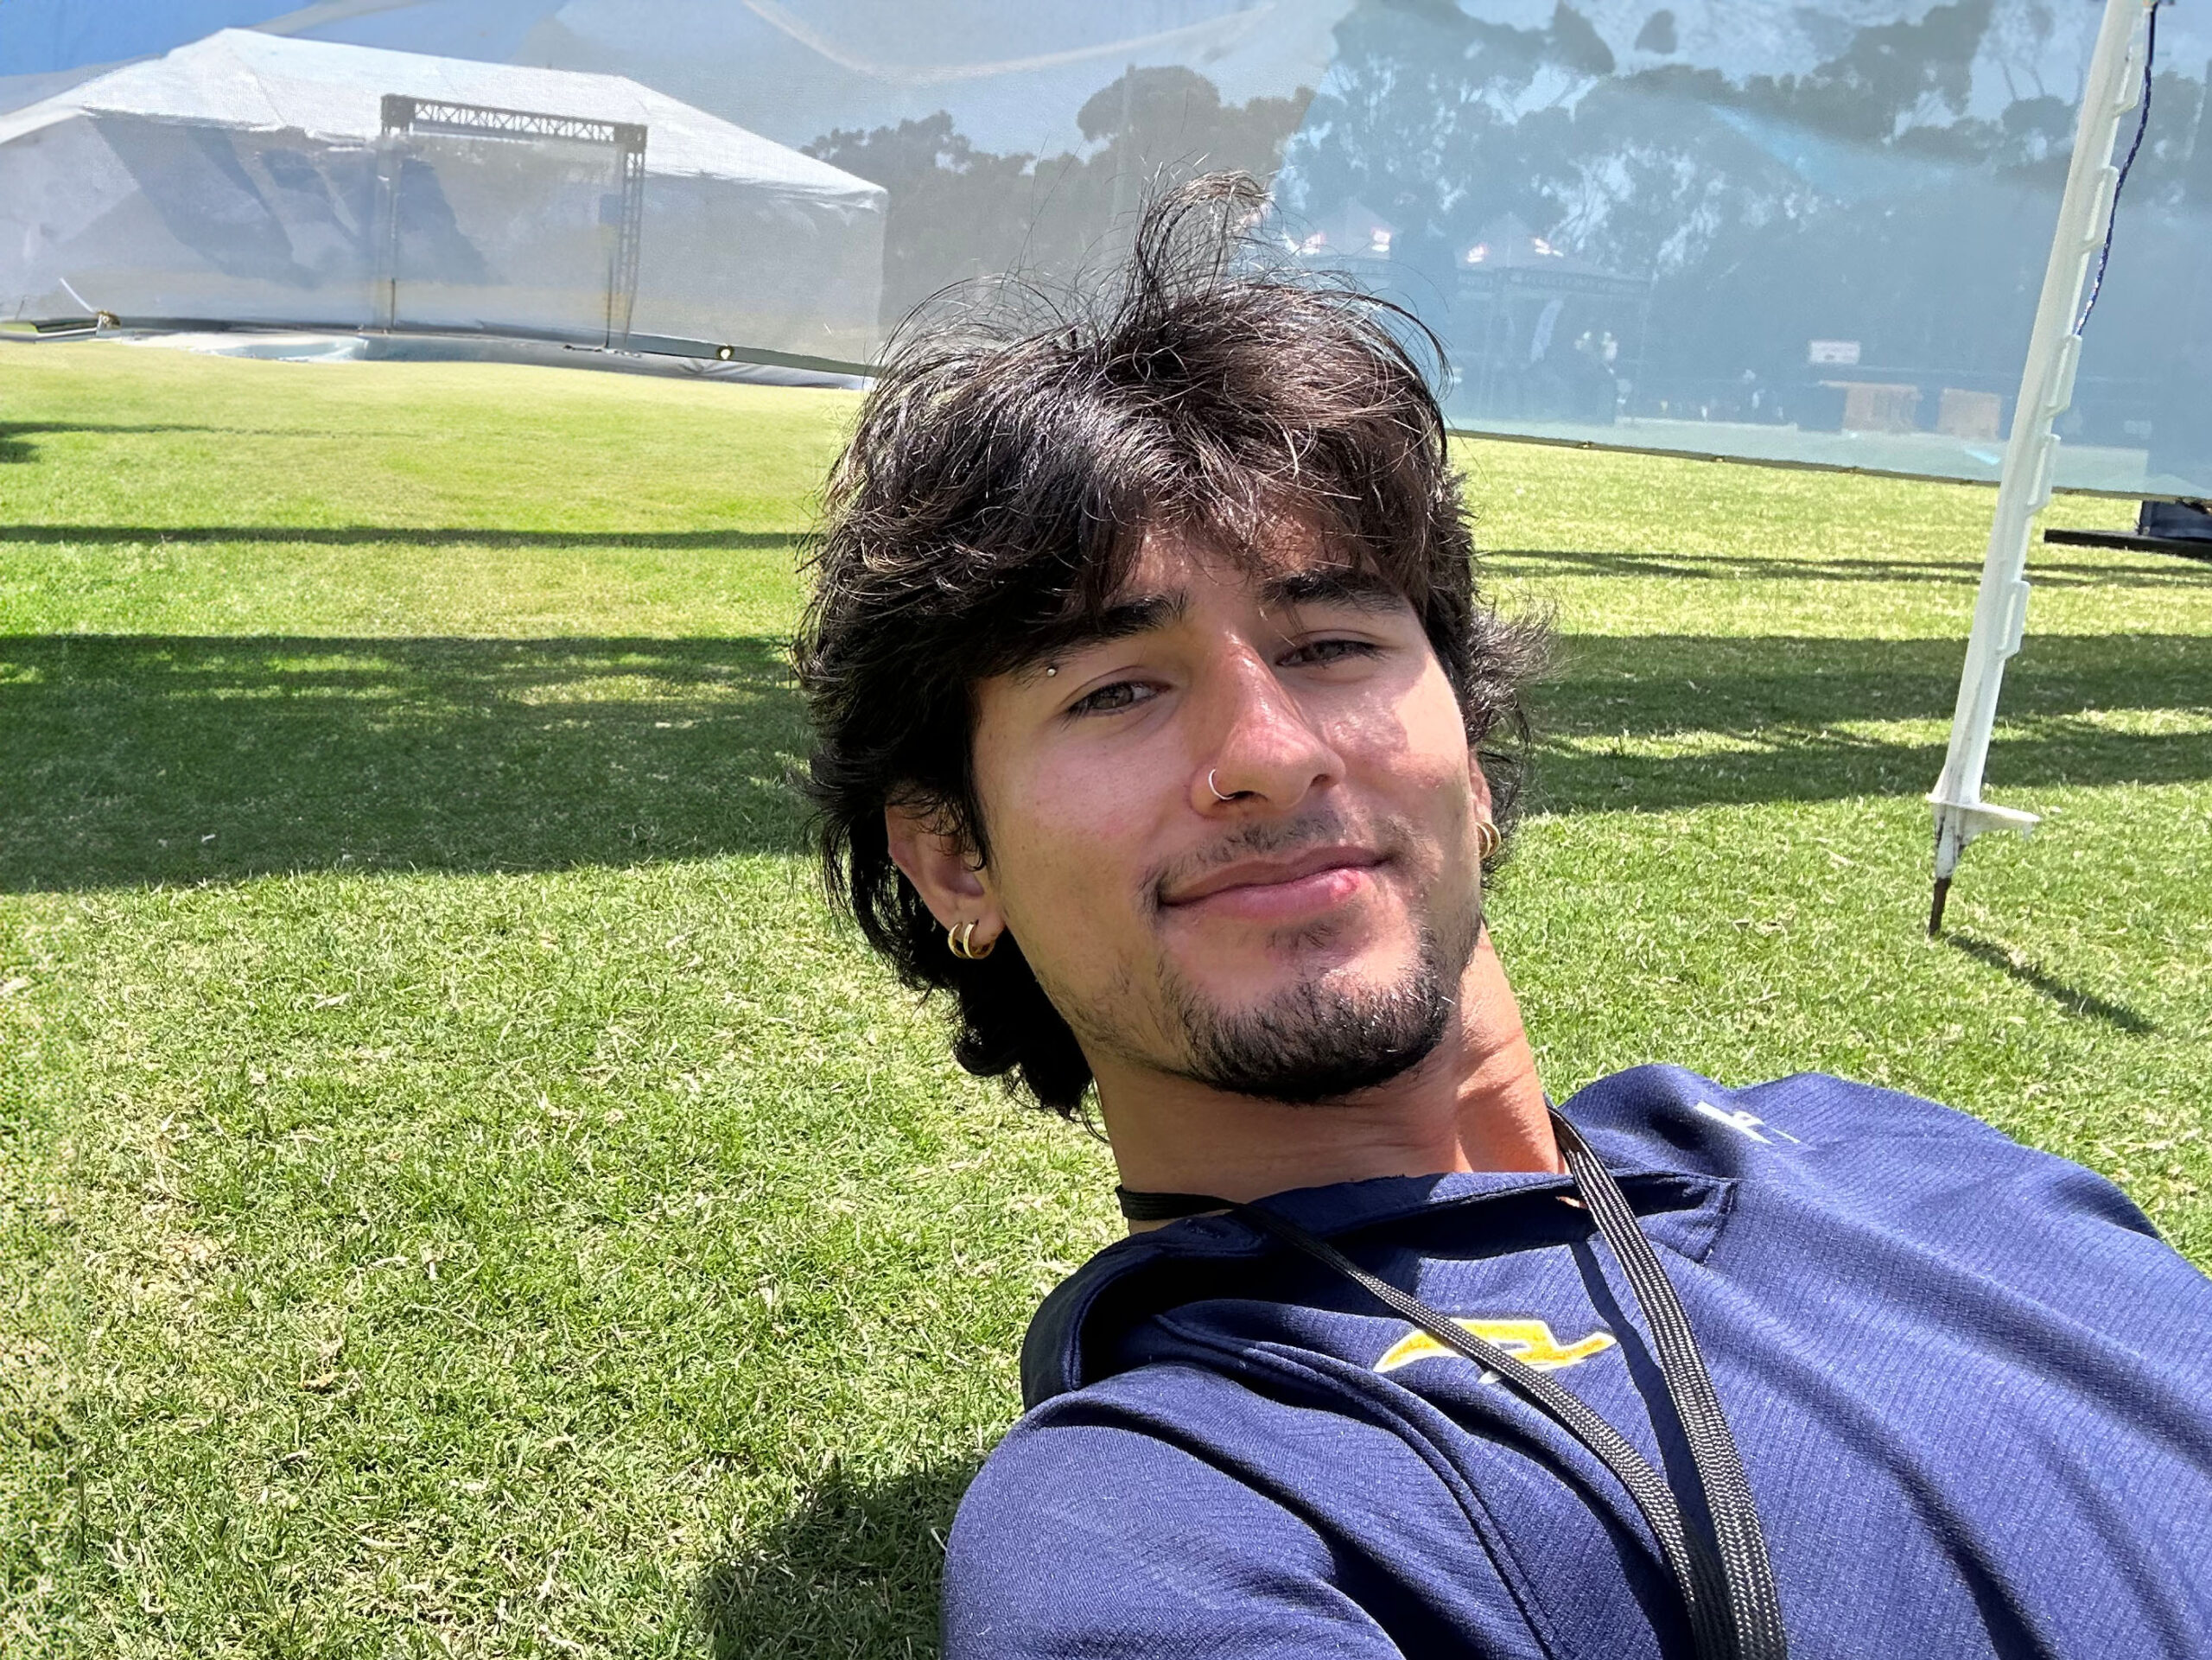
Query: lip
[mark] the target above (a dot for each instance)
(1318, 877)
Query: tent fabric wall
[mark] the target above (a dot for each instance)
(236, 180)
(1835, 214)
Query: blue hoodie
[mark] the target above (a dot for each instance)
(1972, 1388)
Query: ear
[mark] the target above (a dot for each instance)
(943, 872)
(1479, 784)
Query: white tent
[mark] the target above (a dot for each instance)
(251, 179)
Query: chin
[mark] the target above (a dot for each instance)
(1305, 960)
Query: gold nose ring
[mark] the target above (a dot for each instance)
(1215, 788)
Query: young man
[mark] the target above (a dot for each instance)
(1159, 724)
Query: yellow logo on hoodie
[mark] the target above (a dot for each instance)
(1530, 1341)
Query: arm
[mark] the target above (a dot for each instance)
(1096, 1539)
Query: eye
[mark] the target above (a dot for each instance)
(1332, 649)
(1121, 695)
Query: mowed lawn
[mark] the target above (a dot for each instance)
(459, 1194)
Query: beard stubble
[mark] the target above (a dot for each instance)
(1321, 1039)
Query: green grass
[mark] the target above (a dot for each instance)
(458, 1193)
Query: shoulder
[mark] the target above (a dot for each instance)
(1824, 1159)
(1853, 1134)
(1672, 1109)
(1103, 1524)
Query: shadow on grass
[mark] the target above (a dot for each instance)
(1733, 568)
(127, 759)
(353, 535)
(1763, 717)
(16, 435)
(855, 1572)
(2071, 998)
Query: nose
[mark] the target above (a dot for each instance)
(1259, 749)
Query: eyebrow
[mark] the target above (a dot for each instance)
(1142, 613)
(1364, 590)
(1145, 614)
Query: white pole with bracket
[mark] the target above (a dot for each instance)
(2023, 483)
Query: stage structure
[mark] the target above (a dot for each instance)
(248, 180)
(415, 132)
(1539, 335)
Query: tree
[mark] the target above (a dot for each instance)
(957, 213)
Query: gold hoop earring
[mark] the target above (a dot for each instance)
(1488, 840)
(960, 940)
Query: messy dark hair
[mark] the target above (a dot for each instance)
(1004, 471)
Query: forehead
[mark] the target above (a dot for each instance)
(1172, 559)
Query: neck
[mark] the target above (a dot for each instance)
(1475, 1103)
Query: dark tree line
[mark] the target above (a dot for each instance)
(1861, 200)
(958, 212)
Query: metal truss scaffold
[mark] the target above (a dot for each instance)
(404, 117)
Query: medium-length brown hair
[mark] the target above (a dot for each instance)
(1002, 475)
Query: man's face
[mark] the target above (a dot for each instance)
(1304, 937)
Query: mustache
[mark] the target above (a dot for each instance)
(1271, 840)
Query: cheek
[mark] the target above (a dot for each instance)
(1068, 848)
(1414, 748)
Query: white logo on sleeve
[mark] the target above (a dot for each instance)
(1746, 1124)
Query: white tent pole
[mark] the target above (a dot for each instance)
(2023, 485)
